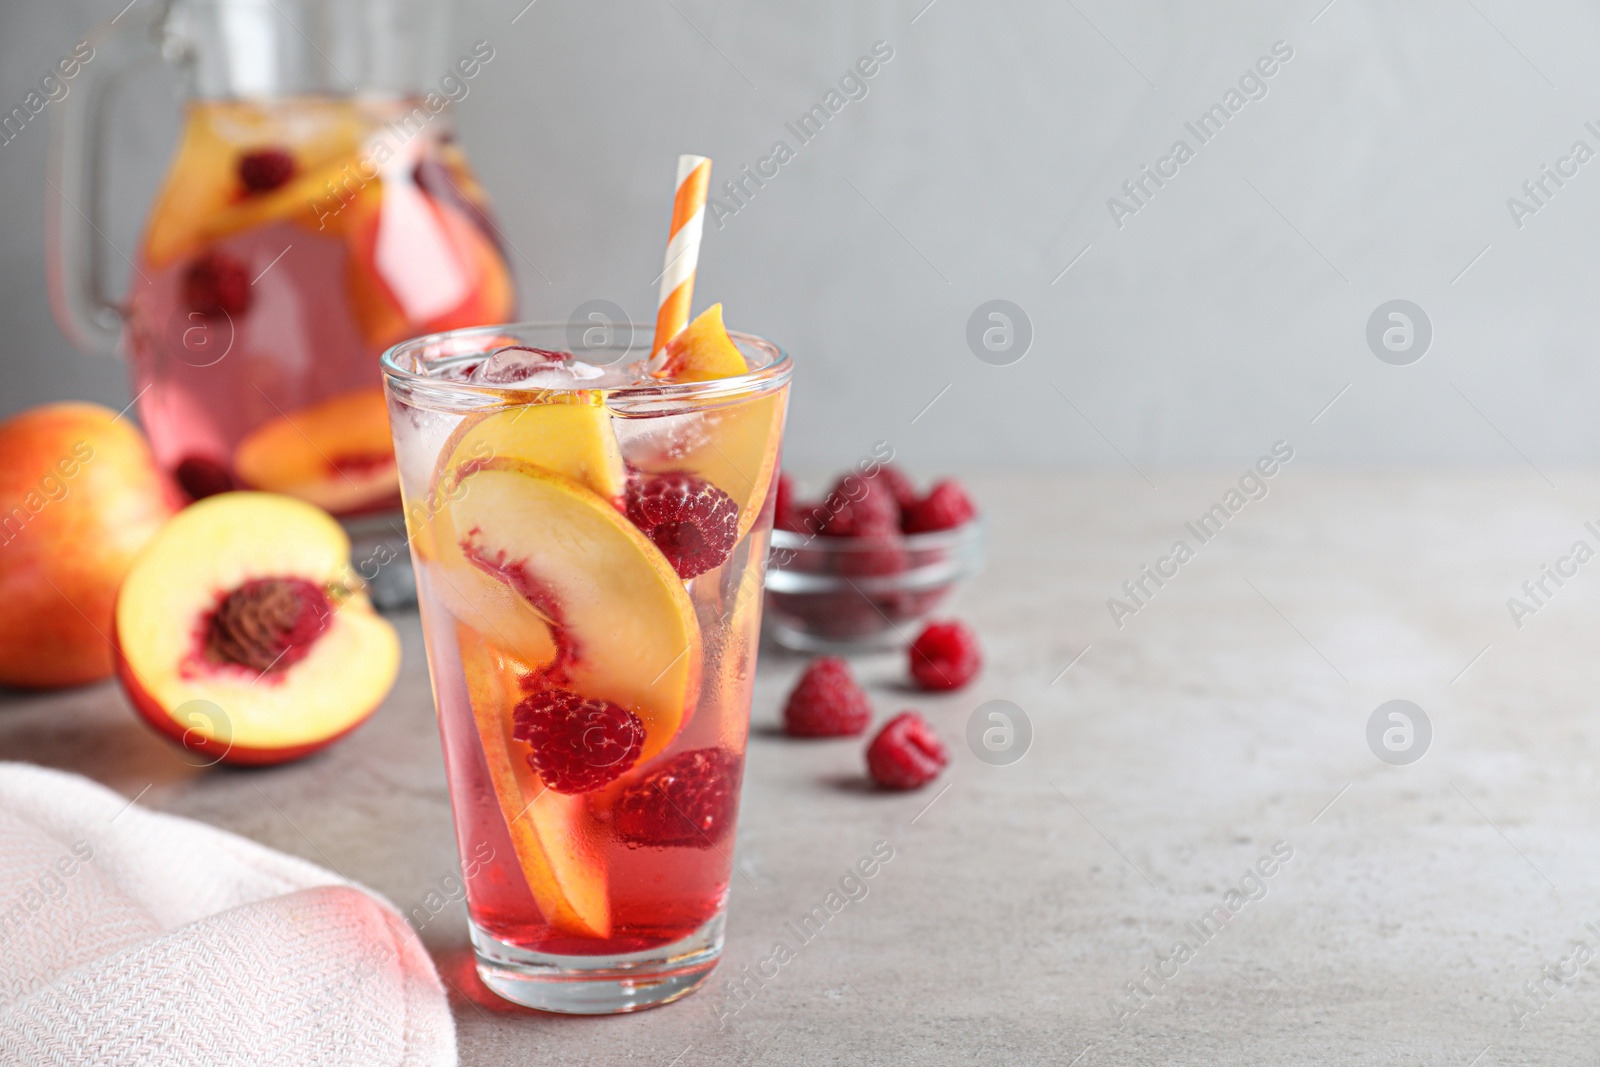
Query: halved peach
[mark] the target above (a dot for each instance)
(623, 624)
(337, 454)
(565, 876)
(702, 351)
(241, 602)
(573, 440)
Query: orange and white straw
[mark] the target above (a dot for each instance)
(683, 251)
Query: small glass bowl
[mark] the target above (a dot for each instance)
(863, 594)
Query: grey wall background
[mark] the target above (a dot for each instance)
(1225, 314)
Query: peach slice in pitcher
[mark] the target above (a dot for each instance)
(573, 440)
(337, 454)
(204, 191)
(417, 266)
(303, 199)
(238, 636)
(563, 872)
(622, 624)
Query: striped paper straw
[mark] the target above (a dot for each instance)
(683, 251)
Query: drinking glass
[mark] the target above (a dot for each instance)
(589, 545)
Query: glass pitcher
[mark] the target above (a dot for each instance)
(317, 210)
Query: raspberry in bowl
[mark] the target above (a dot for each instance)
(860, 569)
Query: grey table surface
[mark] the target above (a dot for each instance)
(1423, 909)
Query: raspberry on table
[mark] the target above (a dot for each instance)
(945, 656)
(265, 169)
(579, 744)
(217, 284)
(944, 508)
(859, 507)
(827, 702)
(906, 754)
(689, 802)
(692, 522)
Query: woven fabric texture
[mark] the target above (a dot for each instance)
(132, 937)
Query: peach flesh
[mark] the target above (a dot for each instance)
(539, 596)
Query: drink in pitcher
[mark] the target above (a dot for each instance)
(315, 211)
(293, 242)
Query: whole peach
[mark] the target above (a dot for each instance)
(80, 496)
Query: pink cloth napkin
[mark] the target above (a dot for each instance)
(131, 937)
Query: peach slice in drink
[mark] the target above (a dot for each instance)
(733, 446)
(573, 440)
(570, 436)
(736, 449)
(703, 351)
(337, 454)
(623, 625)
(564, 872)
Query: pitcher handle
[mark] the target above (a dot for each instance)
(75, 245)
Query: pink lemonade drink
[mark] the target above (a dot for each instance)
(589, 541)
(292, 242)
